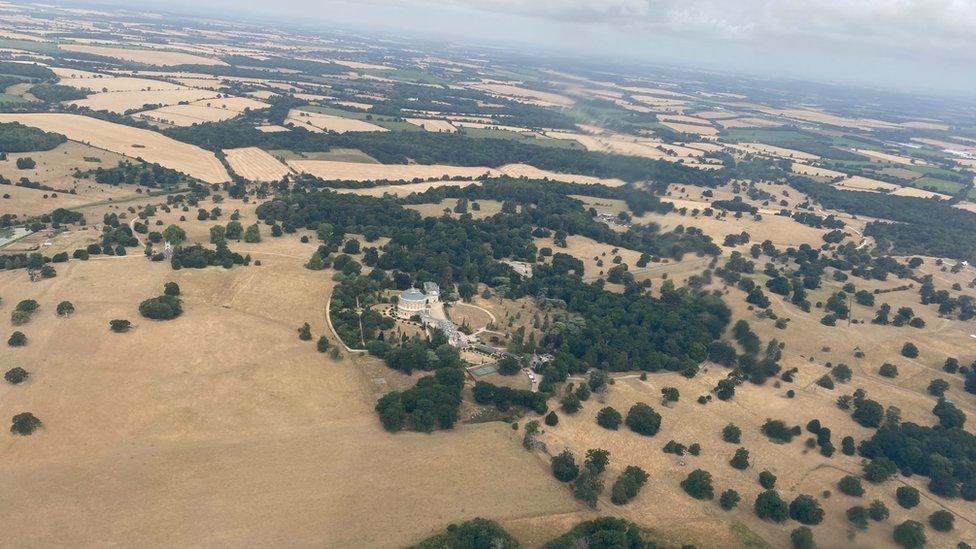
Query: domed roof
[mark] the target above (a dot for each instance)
(412, 294)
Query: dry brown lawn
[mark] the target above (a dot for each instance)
(129, 141)
(255, 164)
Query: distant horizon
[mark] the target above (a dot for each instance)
(936, 65)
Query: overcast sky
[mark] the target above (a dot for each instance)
(908, 44)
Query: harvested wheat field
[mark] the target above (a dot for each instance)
(919, 193)
(747, 123)
(128, 141)
(518, 93)
(318, 122)
(782, 152)
(867, 184)
(117, 84)
(213, 109)
(433, 125)
(888, 157)
(355, 171)
(255, 164)
(805, 169)
(149, 57)
(239, 432)
(121, 101)
(531, 172)
(406, 188)
(698, 129)
(271, 128)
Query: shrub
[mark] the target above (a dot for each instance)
(119, 325)
(851, 486)
(910, 534)
(17, 339)
(608, 418)
(729, 499)
(564, 467)
(698, 484)
(24, 424)
(16, 375)
(770, 506)
(767, 480)
(642, 419)
(628, 485)
(741, 459)
(888, 370)
(164, 307)
(941, 521)
(806, 510)
(731, 433)
(907, 496)
(552, 419)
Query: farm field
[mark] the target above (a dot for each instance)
(353, 171)
(122, 101)
(138, 143)
(148, 56)
(255, 164)
(317, 122)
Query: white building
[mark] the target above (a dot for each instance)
(433, 292)
(412, 302)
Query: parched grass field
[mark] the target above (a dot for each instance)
(255, 164)
(147, 56)
(121, 101)
(128, 141)
(197, 417)
(353, 171)
(318, 122)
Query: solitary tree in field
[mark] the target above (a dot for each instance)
(305, 332)
(119, 325)
(17, 339)
(16, 375)
(66, 308)
(24, 424)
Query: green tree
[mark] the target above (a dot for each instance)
(252, 234)
(171, 288)
(65, 308)
(564, 467)
(942, 521)
(767, 480)
(741, 459)
(474, 534)
(851, 486)
(731, 433)
(119, 325)
(878, 511)
(802, 538)
(322, 345)
(17, 339)
(305, 332)
(570, 403)
(858, 517)
(587, 487)
(174, 235)
(24, 424)
(907, 496)
(628, 485)
(909, 350)
(597, 460)
(806, 510)
(608, 418)
(552, 419)
(772, 507)
(670, 394)
(698, 484)
(16, 375)
(910, 534)
(642, 419)
(164, 307)
(729, 499)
